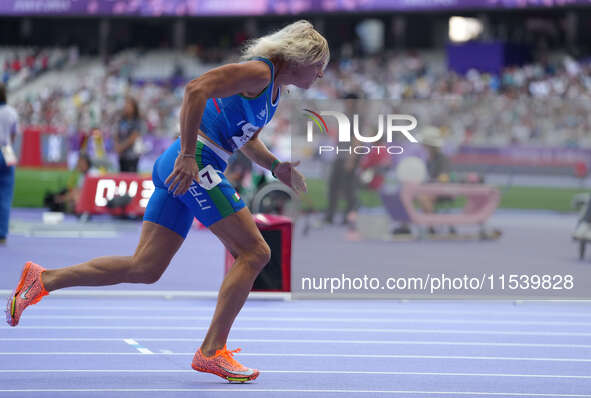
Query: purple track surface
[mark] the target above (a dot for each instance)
(142, 347)
(67, 347)
(196, 266)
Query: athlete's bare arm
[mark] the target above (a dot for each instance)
(258, 152)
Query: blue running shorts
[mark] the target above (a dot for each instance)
(209, 201)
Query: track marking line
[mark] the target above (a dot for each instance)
(318, 355)
(316, 319)
(202, 294)
(137, 346)
(452, 374)
(312, 341)
(311, 329)
(311, 391)
(287, 309)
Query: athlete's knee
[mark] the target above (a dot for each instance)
(150, 277)
(258, 255)
(262, 253)
(142, 271)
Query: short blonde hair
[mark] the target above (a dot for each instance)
(298, 42)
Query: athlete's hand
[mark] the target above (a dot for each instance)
(184, 172)
(287, 174)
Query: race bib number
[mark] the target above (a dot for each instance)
(208, 177)
(8, 154)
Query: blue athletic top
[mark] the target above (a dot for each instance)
(231, 121)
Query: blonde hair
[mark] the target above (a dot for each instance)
(298, 42)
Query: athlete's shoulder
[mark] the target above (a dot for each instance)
(233, 78)
(256, 72)
(258, 69)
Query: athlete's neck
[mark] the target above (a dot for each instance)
(280, 73)
(276, 84)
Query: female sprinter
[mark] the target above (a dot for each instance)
(223, 110)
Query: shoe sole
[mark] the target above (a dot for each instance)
(229, 378)
(11, 307)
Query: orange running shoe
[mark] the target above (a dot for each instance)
(224, 365)
(30, 290)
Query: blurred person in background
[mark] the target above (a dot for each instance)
(583, 228)
(223, 110)
(128, 137)
(66, 199)
(8, 130)
(438, 170)
(438, 165)
(239, 168)
(343, 181)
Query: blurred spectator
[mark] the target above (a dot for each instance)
(8, 130)
(438, 169)
(66, 199)
(438, 165)
(128, 137)
(238, 170)
(539, 104)
(21, 65)
(343, 181)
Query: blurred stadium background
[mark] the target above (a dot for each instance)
(507, 85)
(515, 71)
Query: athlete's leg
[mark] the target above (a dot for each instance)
(240, 235)
(157, 246)
(154, 252)
(166, 223)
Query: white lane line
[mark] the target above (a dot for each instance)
(339, 372)
(332, 355)
(200, 294)
(316, 319)
(312, 341)
(311, 329)
(311, 391)
(286, 308)
(137, 346)
(394, 356)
